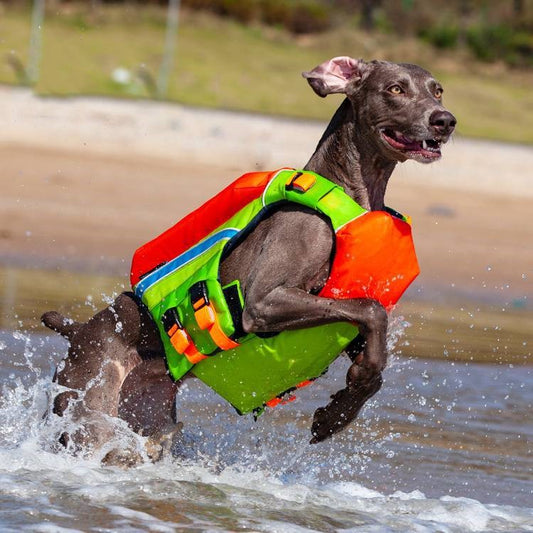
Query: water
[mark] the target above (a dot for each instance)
(442, 447)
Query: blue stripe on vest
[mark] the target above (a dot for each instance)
(191, 254)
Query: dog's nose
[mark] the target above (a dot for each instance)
(443, 122)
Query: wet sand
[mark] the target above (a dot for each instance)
(80, 209)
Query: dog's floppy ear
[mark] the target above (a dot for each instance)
(333, 76)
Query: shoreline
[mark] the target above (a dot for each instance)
(175, 133)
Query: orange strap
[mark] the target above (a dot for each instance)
(207, 319)
(183, 344)
(193, 355)
(179, 338)
(279, 400)
(301, 182)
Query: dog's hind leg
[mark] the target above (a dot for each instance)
(147, 397)
(103, 351)
(148, 404)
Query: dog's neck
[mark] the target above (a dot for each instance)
(345, 156)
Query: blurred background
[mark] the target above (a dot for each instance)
(117, 118)
(240, 54)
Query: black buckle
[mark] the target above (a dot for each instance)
(170, 319)
(233, 301)
(198, 293)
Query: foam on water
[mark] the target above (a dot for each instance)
(236, 474)
(60, 492)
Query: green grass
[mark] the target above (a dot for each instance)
(221, 63)
(491, 108)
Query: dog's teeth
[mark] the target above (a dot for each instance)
(424, 144)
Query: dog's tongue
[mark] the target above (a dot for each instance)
(402, 142)
(409, 144)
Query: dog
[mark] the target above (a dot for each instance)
(115, 364)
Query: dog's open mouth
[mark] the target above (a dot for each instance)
(428, 149)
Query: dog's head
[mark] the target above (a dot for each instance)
(400, 104)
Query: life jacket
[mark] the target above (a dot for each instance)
(176, 276)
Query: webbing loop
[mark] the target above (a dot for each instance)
(207, 318)
(179, 338)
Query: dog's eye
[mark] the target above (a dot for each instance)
(438, 93)
(396, 89)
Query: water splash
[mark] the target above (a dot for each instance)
(237, 474)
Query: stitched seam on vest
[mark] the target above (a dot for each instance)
(190, 255)
(263, 196)
(351, 220)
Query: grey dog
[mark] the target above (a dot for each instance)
(391, 113)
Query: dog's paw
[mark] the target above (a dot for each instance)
(340, 412)
(321, 428)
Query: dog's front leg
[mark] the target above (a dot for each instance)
(363, 379)
(280, 275)
(362, 382)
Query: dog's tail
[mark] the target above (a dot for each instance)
(63, 325)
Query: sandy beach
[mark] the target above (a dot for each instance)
(85, 181)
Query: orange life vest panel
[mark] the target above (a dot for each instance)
(374, 258)
(196, 225)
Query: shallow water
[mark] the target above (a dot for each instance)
(442, 447)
